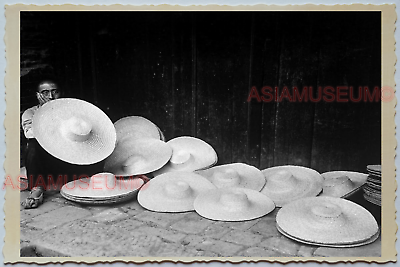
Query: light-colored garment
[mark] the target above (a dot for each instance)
(27, 121)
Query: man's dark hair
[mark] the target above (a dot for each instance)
(48, 80)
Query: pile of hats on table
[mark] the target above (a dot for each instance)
(185, 179)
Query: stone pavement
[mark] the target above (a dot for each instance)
(63, 228)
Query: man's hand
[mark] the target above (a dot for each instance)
(42, 99)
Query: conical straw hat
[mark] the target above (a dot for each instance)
(327, 220)
(189, 154)
(173, 191)
(233, 204)
(138, 156)
(74, 131)
(136, 127)
(342, 183)
(101, 186)
(235, 175)
(288, 183)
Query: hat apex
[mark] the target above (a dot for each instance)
(288, 183)
(235, 175)
(235, 201)
(181, 159)
(76, 129)
(178, 190)
(233, 204)
(282, 181)
(226, 177)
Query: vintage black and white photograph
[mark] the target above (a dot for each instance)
(201, 134)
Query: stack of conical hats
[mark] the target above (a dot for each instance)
(373, 187)
(327, 221)
(102, 188)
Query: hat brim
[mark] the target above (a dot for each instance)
(136, 127)
(374, 185)
(102, 201)
(249, 176)
(309, 184)
(208, 205)
(374, 179)
(99, 190)
(154, 197)
(358, 179)
(153, 152)
(204, 156)
(356, 224)
(350, 245)
(47, 128)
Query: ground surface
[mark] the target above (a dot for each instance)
(63, 228)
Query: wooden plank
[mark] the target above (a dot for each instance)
(183, 65)
(253, 107)
(223, 47)
(264, 73)
(135, 67)
(297, 68)
(160, 100)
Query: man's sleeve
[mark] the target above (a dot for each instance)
(27, 123)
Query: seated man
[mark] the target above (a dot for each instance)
(36, 157)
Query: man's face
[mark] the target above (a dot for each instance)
(47, 91)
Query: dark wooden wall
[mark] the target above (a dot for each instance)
(191, 74)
